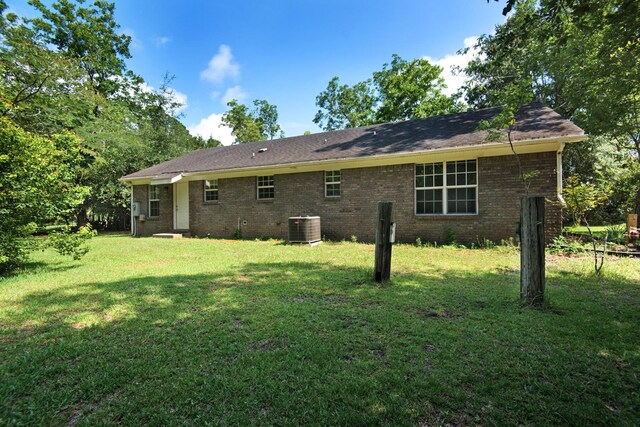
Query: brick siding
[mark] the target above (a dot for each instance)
(353, 213)
(161, 224)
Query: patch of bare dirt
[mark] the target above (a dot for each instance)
(444, 314)
(83, 409)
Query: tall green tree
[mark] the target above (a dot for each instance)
(88, 34)
(65, 71)
(409, 90)
(579, 57)
(402, 90)
(344, 106)
(40, 90)
(251, 125)
(267, 116)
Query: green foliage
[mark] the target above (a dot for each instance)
(71, 244)
(580, 58)
(409, 90)
(582, 198)
(74, 120)
(401, 90)
(65, 71)
(237, 235)
(344, 106)
(449, 237)
(247, 125)
(485, 243)
(85, 33)
(40, 90)
(267, 117)
(563, 246)
(37, 186)
(616, 233)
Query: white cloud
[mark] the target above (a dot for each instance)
(232, 93)
(449, 62)
(221, 66)
(212, 127)
(161, 41)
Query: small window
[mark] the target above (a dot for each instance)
(447, 188)
(211, 190)
(332, 184)
(154, 200)
(266, 189)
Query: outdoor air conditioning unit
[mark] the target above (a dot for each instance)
(304, 229)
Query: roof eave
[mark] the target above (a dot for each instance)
(484, 146)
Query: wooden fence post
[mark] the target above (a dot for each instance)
(532, 250)
(383, 243)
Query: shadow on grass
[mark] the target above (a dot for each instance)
(307, 343)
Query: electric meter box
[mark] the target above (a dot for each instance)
(135, 208)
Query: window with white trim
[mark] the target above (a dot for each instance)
(211, 190)
(332, 184)
(266, 187)
(447, 188)
(154, 200)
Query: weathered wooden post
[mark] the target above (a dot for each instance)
(532, 250)
(383, 242)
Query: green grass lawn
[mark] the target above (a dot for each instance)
(582, 230)
(197, 332)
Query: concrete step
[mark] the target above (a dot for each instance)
(168, 235)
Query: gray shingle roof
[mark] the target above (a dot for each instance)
(459, 130)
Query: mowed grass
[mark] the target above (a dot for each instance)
(215, 332)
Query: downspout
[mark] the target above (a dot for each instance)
(133, 219)
(559, 175)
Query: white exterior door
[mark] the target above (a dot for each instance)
(181, 205)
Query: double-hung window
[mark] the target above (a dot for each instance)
(154, 200)
(332, 184)
(447, 188)
(211, 190)
(266, 188)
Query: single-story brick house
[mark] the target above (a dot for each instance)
(441, 173)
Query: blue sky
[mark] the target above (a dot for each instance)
(285, 51)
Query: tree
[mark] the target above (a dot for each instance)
(408, 90)
(578, 56)
(247, 125)
(402, 90)
(242, 123)
(37, 183)
(87, 34)
(582, 198)
(65, 72)
(267, 116)
(40, 90)
(344, 106)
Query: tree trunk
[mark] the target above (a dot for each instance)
(532, 250)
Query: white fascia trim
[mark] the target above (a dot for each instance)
(484, 150)
(163, 181)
